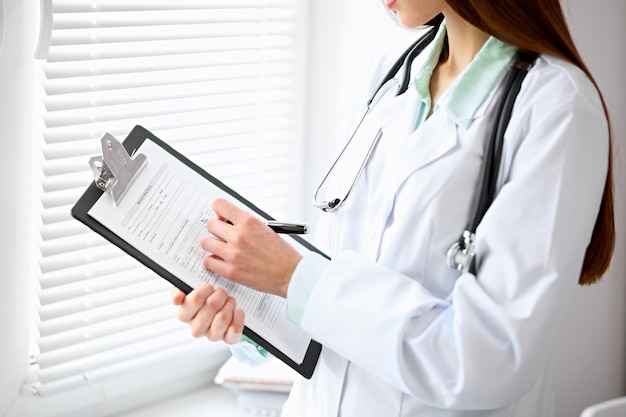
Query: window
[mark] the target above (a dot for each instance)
(214, 79)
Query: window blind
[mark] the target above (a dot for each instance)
(214, 79)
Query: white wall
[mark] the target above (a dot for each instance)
(591, 357)
(15, 140)
(592, 351)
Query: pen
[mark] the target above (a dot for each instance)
(287, 228)
(278, 227)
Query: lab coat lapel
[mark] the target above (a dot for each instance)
(397, 116)
(408, 149)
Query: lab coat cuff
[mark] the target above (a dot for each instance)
(305, 277)
(249, 352)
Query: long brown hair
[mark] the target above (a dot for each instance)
(539, 26)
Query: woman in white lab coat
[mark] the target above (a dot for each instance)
(404, 334)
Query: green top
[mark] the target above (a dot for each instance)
(471, 87)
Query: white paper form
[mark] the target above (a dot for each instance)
(163, 214)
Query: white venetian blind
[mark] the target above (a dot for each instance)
(215, 79)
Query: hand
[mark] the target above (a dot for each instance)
(247, 251)
(211, 313)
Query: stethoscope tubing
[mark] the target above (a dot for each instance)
(461, 255)
(403, 61)
(495, 142)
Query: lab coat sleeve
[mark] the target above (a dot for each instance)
(307, 273)
(485, 344)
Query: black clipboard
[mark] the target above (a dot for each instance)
(80, 212)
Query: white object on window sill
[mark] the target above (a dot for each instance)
(261, 389)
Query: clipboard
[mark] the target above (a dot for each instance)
(116, 170)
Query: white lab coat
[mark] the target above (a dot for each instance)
(406, 335)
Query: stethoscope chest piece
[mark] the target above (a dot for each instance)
(461, 254)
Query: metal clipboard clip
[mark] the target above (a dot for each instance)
(115, 170)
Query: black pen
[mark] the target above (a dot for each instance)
(287, 228)
(279, 227)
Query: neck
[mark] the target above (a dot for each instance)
(464, 42)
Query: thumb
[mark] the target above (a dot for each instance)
(177, 296)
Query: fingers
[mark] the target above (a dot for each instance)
(235, 330)
(221, 321)
(229, 216)
(193, 302)
(227, 210)
(211, 313)
(212, 245)
(204, 320)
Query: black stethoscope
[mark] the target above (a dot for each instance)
(402, 64)
(460, 256)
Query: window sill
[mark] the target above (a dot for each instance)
(211, 401)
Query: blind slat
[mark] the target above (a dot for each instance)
(203, 127)
(185, 31)
(80, 257)
(63, 229)
(188, 141)
(166, 48)
(98, 284)
(229, 59)
(74, 6)
(197, 356)
(81, 319)
(120, 339)
(74, 93)
(251, 115)
(99, 300)
(105, 328)
(134, 19)
(110, 357)
(69, 243)
(81, 273)
(226, 106)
